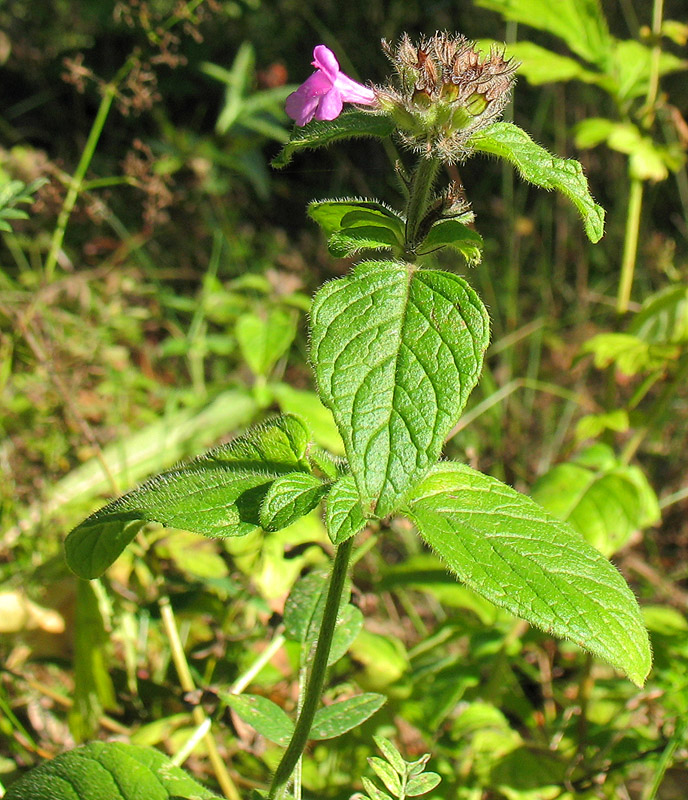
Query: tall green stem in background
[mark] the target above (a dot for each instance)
(316, 680)
(635, 197)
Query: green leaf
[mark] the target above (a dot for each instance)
(338, 718)
(510, 550)
(631, 68)
(290, 497)
(452, 233)
(663, 319)
(629, 353)
(307, 404)
(390, 752)
(265, 339)
(261, 714)
(320, 134)
(108, 771)
(387, 775)
(305, 605)
(580, 23)
(541, 168)
(606, 504)
(353, 225)
(396, 351)
(373, 792)
(344, 517)
(349, 625)
(217, 494)
(539, 65)
(421, 784)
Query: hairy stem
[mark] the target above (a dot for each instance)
(419, 200)
(316, 680)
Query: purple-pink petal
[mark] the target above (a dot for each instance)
(330, 106)
(353, 92)
(325, 60)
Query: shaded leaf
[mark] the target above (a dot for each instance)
(663, 319)
(348, 125)
(344, 517)
(353, 225)
(349, 625)
(513, 552)
(289, 498)
(541, 168)
(421, 784)
(454, 234)
(266, 717)
(338, 718)
(396, 351)
(217, 494)
(108, 771)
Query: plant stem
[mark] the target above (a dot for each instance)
(316, 680)
(419, 194)
(635, 203)
(186, 682)
(76, 181)
(666, 758)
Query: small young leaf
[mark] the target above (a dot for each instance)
(373, 792)
(452, 233)
(108, 771)
(334, 720)
(265, 339)
(663, 319)
(344, 517)
(351, 241)
(217, 494)
(397, 350)
(262, 714)
(320, 134)
(421, 784)
(390, 752)
(629, 352)
(289, 498)
(386, 774)
(541, 168)
(510, 550)
(354, 225)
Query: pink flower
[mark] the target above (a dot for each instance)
(324, 93)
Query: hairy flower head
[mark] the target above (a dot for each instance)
(443, 92)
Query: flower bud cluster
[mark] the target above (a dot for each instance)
(443, 92)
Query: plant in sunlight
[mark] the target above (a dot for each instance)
(396, 348)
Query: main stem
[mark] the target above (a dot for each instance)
(316, 680)
(419, 200)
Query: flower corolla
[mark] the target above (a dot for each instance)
(323, 94)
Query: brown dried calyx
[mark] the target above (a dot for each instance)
(444, 91)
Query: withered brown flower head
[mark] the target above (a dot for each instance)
(444, 91)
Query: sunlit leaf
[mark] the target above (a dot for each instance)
(108, 771)
(541, 168)
(396, 351)
(217, 494)
(261, 714)
(290, 497)
(509, 549)
(345, 517)
(338, 718)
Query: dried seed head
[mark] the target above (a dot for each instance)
(443, 92)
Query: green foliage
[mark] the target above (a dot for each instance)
(348, 125)
(396, 353)
(355, 225)
(108, 771)
(12, 193)
(338, 718)
(345, 517)
(605, 500)
(216, 494)
(508, 549)
(264, 339)
(541, 168)
(266, 717)
(402, 778)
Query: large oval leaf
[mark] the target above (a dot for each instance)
(510, 550)
(108, 771)
(217, 494)
(396, 351)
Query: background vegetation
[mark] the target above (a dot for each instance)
(152, 303)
